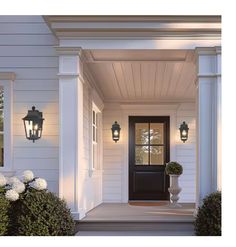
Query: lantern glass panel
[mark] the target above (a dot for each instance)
(29, 128)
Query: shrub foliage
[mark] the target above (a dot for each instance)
(208, 220)
(174, 168)
(4, 220)
(40, 213)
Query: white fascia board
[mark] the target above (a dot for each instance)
(136, 25)
(139, 44)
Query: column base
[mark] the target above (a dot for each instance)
(78, 215)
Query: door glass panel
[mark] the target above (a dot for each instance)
(156, 133)
(141, 133)
(156, 155)
(141, 155)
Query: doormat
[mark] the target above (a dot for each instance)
(152, 204)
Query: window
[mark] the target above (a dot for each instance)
(95, 136)
(6, 79)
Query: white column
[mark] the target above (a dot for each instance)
(208, 121)
(71, 128)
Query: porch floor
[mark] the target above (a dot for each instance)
(123, 219)
(117, 212)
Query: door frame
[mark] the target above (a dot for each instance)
(145, 110)
(148, 119)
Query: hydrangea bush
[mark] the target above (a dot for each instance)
(27, 208)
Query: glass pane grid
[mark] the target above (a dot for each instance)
(149, 144)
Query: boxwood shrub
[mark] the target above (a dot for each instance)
(208, 220)
(40, 213)
(174, 168)
(4, 220)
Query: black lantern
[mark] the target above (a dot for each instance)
(33, 123)
(184, 131)
(115, 131)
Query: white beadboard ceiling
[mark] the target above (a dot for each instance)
(143, 75)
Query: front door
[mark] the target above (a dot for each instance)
(149, 141)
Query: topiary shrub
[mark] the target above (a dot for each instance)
(40, 213)
(4, 220)
(174, 168)
(208, 220)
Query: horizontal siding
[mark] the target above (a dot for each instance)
(20, 19)
(26, 48)
(27, 51)
(27, 39)
(186, 153)
(32, 85)
(33, 73)
(113, 155)
(91, 194)
(36, 96)
(24, 28)
(29, 62)
(36, 153)
(45, 141)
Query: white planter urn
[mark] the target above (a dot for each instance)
(174, 191)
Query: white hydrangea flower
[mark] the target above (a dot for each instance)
(13, 180)
(19, 187)
(3, 180)
(12, 195)
(28, 176)
(39, 184)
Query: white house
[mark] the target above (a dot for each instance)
(148, 73)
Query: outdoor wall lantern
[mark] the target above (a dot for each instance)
(184, 131)
(115, 131)
(33, 123)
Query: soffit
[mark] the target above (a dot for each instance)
(143, 75)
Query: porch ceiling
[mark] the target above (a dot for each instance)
(143, 75)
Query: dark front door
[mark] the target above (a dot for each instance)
(148, 153)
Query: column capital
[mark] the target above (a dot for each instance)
(71, 61)
(208, 50)
(208, 60)
(69, 50)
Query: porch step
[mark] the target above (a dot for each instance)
(119, 218)
(165, 226)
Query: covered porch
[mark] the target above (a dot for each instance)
(168, 68)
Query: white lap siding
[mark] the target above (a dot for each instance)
(114, 158)
(186, 152)
(92, 180)
(26, 48)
